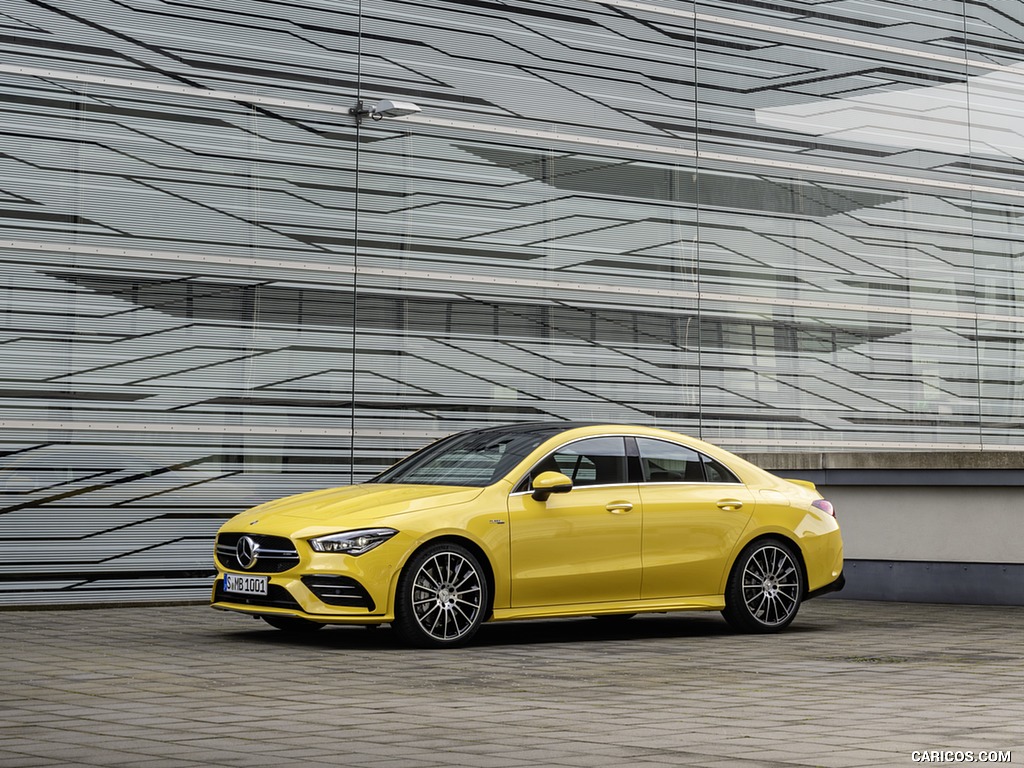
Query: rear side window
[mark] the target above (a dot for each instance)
(716, 472)
(665, 462)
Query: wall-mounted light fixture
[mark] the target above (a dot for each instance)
(383, 108)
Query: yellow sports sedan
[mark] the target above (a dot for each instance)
(536, 520)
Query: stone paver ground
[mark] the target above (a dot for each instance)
(850, 684)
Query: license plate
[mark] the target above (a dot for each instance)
(245, 585)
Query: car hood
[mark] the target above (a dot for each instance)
(369, 503)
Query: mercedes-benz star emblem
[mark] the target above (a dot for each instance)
(247, 550)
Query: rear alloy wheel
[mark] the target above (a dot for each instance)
(765, 588)
(292, 625)
(442, 596)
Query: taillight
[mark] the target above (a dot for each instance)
(825, 506)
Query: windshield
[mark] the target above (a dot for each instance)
(475, 459)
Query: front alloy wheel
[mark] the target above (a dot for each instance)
(765, 588)
(442, 596)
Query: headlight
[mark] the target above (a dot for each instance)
(352, 542)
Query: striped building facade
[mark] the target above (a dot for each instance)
(778, 226)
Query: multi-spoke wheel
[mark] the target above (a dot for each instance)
(442, 597)
(765, 588)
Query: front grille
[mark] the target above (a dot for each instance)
(339, 590)
(276, 597)
(274, 555)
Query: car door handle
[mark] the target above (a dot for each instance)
(730, 504)
(618, 507)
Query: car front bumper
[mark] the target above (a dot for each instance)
(330, 588)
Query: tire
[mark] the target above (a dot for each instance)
(442, 597)
(293, 625)
(765, 588)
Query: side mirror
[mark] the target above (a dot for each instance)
(547, 483)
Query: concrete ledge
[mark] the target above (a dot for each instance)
(889, 460)
(989, 478)
(930, 468)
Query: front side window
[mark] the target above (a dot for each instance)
(592, 461)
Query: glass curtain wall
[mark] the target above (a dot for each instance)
(995, 91)
(527, 242)
(176, 246)
(845, 271)
(790, 227)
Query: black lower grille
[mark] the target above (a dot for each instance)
(276, 597)
(274, 554)
(339, 590)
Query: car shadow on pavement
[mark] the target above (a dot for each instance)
(521, 633)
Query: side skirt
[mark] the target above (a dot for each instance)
(700, 603)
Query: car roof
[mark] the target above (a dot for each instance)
(555, 428)
(526, 427)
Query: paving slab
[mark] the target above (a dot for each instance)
(850, 684)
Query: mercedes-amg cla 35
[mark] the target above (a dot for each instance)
(536, 520)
